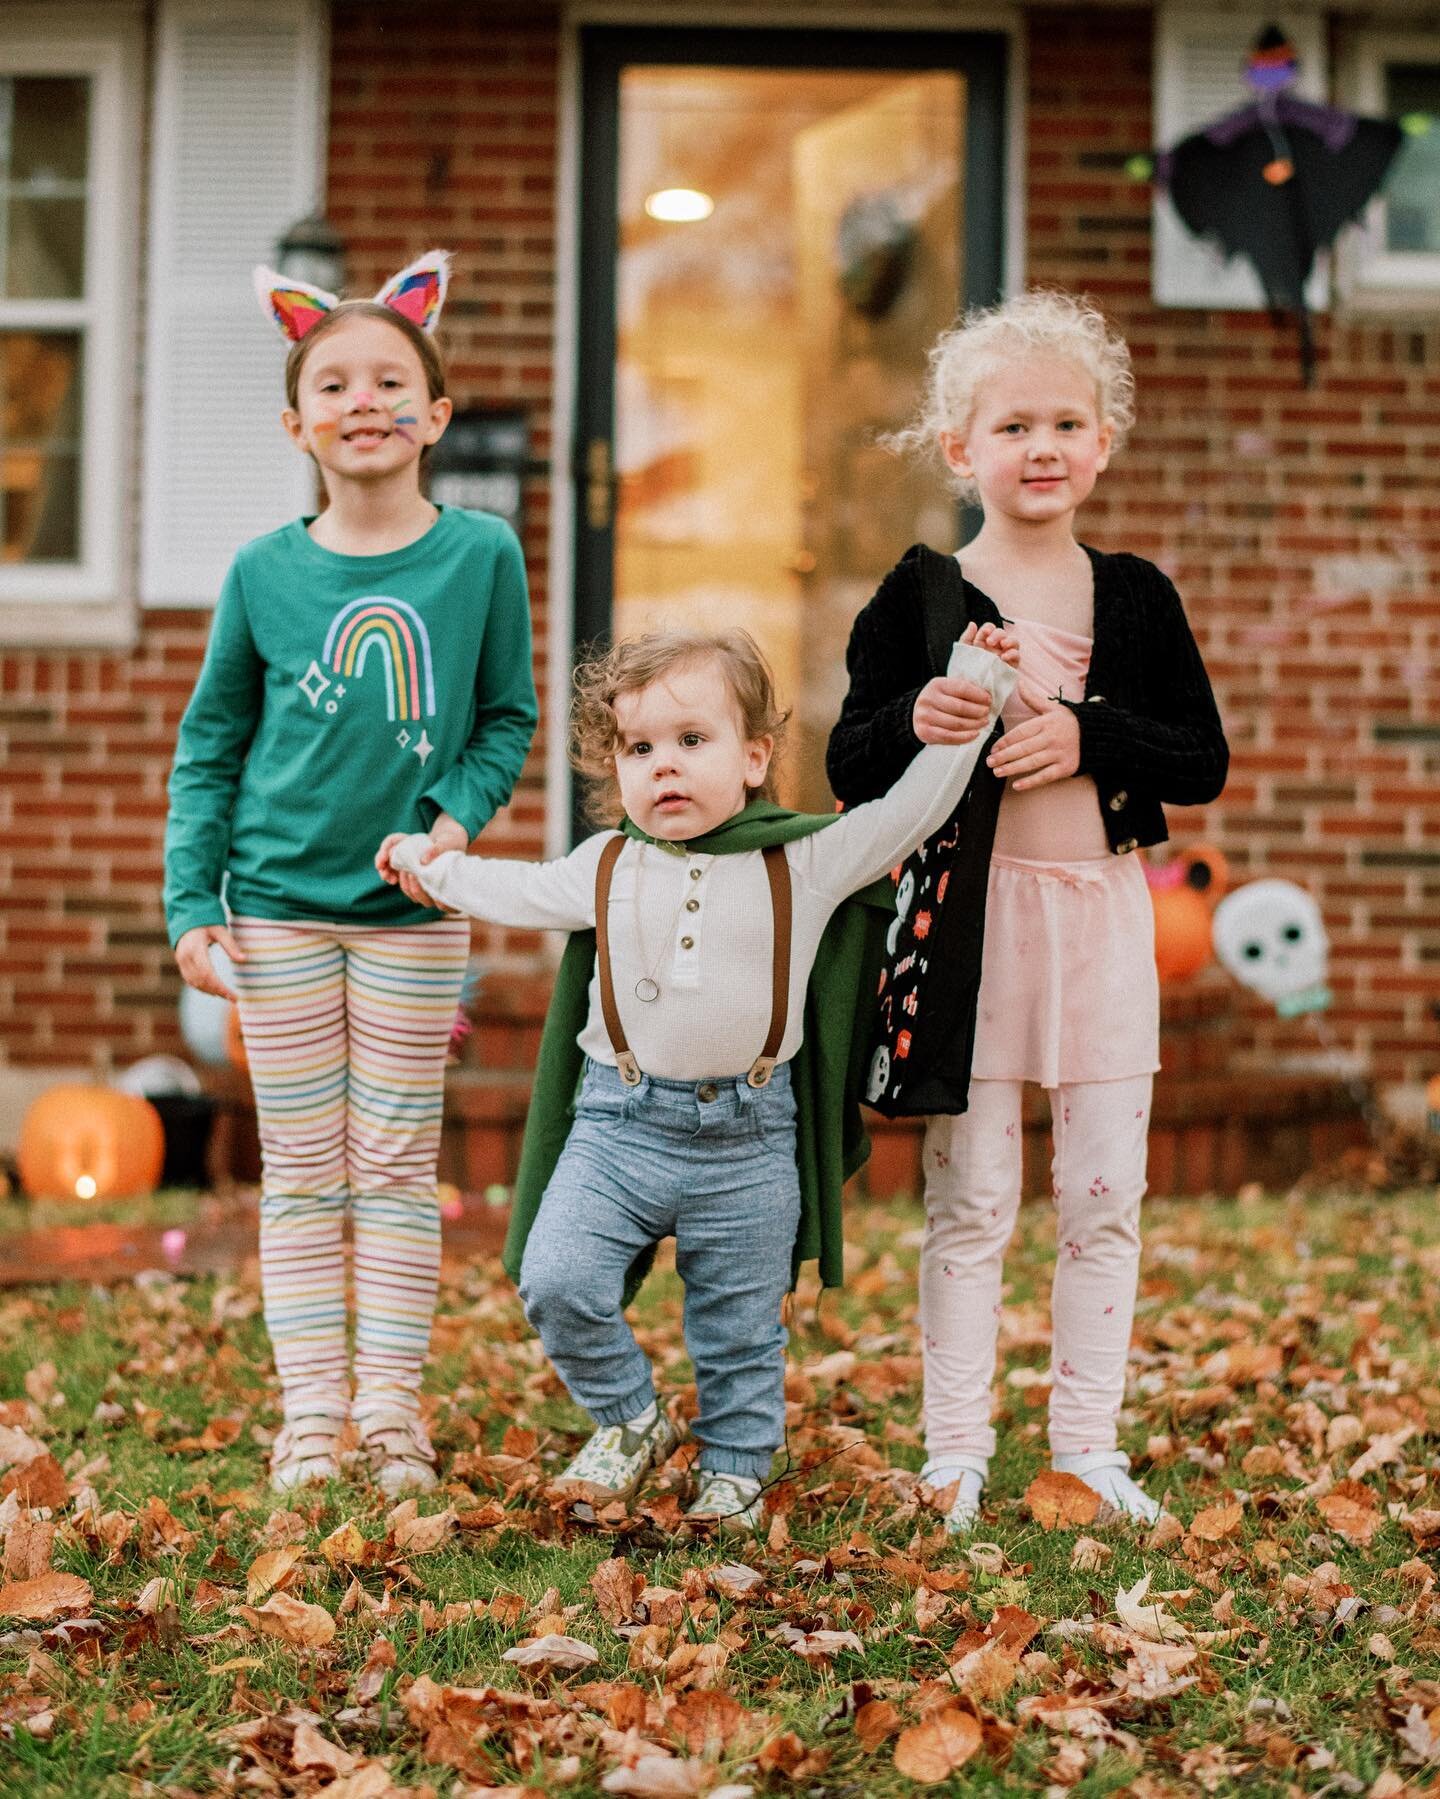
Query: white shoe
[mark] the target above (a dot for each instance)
(306, 1453)
(967, 1474)
(732, 1500)
(1104, 1472)
(399, 1452)
(612, 1464)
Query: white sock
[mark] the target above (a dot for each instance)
(1104, 1471)
(646, 1418)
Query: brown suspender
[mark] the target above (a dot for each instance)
(777, 872)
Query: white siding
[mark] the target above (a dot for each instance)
(238, 122)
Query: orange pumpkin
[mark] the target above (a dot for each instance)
(1182, 932)
(91, 1143)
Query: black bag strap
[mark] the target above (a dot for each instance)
(948, 606)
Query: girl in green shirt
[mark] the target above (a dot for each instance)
(369, 670)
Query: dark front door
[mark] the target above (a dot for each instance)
(774, 226)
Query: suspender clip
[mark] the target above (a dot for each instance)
(629, 1068)
(760, 1071)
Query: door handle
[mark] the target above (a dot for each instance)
(599, 484)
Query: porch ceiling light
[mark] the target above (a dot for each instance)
(679, 205)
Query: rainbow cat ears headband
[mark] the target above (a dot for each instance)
(417, 293)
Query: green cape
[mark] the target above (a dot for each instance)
(827, 1072)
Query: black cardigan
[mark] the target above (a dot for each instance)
(1149, 728)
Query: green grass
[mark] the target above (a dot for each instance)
(1346, 1288)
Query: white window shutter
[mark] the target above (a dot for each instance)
(1199, 59)
(239, 112)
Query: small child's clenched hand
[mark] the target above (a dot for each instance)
(446, 833)
(950, 709)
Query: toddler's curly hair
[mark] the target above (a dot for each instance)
(635, 663)
(988, 337)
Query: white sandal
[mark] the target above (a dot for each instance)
(306, 1453)
(401, 1456)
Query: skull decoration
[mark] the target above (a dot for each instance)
(904, 899)
(879, 1074)
(1271, 937)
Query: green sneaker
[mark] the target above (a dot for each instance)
(734, 1501)
(613, 1463)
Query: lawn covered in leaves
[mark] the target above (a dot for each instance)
(167, 1626)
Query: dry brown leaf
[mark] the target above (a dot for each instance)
(707, 1723)
(1060, 1501)
(348, 1547)
(411, 1534)
(28, 1548)
(311, 1750)
(660, 1777)
(733, 1580)
(1217, 1523)
(551, 1652)
(1151, 1621)
(1349, 1517)
(985, 1673)
(156, 1594)
(219, 1433)
(875, 1723)
(49, 1596)
(371, 1677)
(1089, 1555)
(39, 1482)
(289, 1621)
(932, 1751)
(616, 1587)
(270, 1569)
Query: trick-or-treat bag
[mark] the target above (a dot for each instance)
(925, 1023)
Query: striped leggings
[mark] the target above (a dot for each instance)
(346, 1030)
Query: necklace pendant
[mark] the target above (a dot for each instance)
(647, 990)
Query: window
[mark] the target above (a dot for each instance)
(69, 211)
(1393, 259)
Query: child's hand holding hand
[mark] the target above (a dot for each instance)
(950, 709)
(446, 833)
(1044, 749)
(192, 955)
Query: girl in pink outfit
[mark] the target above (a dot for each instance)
(1113, 714)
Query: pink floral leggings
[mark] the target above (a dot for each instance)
(972, 1196)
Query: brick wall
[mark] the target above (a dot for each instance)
(1303, 530)
(1297, 525)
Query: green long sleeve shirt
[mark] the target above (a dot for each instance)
(341, 698)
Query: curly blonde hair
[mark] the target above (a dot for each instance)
(635, 663)
(988, 337)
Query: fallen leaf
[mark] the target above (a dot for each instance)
(875, 1723)
(348, 1547)
(219, 1433)
(290, 1621)
(1058, 1501)
(1217, 1522)
(269, 1570)
(1151, 1621)
(931, 1752)
(1349, 1517)
(1089, 1555)
(660, 1777)
(707, 1723)
(156, 1594)
(413, 1535)
(311, 1750)
(39, 1482)
(49, 1596)
(733, 1580)
(616, 1587)
(550, 1652)
(28, 1548)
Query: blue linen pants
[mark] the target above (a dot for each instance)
(711, 1163)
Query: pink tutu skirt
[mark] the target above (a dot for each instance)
(1068, 989)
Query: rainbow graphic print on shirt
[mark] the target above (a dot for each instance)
(387, 637)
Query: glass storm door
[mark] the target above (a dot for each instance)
(774, 227)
